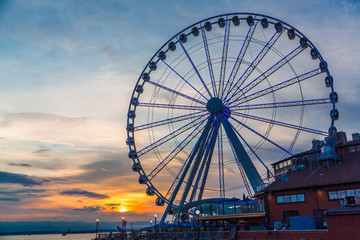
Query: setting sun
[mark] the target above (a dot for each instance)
(122, 209)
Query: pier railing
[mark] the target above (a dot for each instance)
(191, 235)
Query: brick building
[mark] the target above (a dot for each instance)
(312, 182)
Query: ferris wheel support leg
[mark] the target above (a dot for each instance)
(207, 159)
(245, 161)
(202, 150)
(191, 158)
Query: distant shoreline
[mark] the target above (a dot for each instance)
(55, 232)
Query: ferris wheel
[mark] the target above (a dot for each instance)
(219, 102)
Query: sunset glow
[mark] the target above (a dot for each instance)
(68, 69)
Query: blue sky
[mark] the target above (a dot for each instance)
(68, 68)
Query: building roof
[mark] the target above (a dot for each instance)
(346, 172)
(343, 210)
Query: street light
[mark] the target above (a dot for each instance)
(151, 224)
(155, 216)
(122, 227)
(198, 225)
(97, 227)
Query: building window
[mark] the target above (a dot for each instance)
(343, 193)
(358, 148)
(357, 192)
(293, 198)
(352, 149)
(350, 192)
(301, 198)
(333, 195)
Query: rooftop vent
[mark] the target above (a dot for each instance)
(356, 136)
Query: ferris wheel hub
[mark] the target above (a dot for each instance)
(214, 105)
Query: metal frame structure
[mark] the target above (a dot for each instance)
(212, 95)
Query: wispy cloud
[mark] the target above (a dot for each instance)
(83, 193)
(21, 179)
(88, 209)
(21, 194)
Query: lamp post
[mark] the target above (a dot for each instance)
(155, 216)
(122, 227)
(97, 227)
(198, 225)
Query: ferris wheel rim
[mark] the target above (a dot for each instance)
(135, 159)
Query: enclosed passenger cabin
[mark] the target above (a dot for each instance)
(291, 34)
(159, 202)
(149, 192)
(195, 31)
(221, 22)
(183, 38)
(172, 46)
(264, 23)
(208, 26)
(236, 20)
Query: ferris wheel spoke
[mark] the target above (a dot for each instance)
(241, 55)
(279, 86)
(282, 104)
(224, 58)
(171, 106)
(170, 136)
(175, 92)
(282, 124)
(208, 59)
(195, 69)
(169, 121)
(183, 79)
(256, 61)
(176, 150)
(262, 136)
(267, 73)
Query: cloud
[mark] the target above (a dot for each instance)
(113, 206)
(42, 150)
(10, 199)
(83, 193)
(9, 119)
(22, 179)
(20, 194)
(19, 165)
(88, 209)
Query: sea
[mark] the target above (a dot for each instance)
(82, 236)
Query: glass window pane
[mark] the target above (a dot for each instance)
(281, 165)
(333, 195)
(286, 198)
(357, 192)
(358, 148)
(301, 198)
(341, 193)
(352, 149)
(280, 199)
(350, 192)
(289, 162)
(293, 198)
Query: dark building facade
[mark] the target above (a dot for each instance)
(310, 183)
